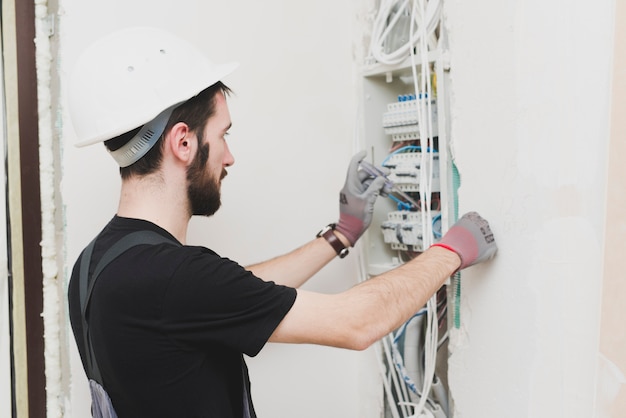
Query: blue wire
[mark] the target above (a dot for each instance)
(401, 205)
(435, 233)
(403, 328)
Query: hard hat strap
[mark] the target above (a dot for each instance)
(145, 139)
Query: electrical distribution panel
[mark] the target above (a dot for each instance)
(406, 130)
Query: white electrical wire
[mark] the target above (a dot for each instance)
(423, 93)
(386, 384)
(389, 14)
(400, 389)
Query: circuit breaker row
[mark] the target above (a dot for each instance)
(400, 121)
(403, 229)
(405, 170)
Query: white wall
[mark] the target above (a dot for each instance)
(531, 107)
(293, 119)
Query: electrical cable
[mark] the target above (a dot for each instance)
(389, 14)
(398, 358)
(436, 218)
(386, 384)
(423, 90)
(400, 389)
(423, 19)
(443, 339)
(456, 278)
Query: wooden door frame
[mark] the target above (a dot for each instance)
(23, 209)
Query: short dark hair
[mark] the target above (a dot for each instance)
(195, 112)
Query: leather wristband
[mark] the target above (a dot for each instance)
(328, 233)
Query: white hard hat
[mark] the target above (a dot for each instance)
(130, 77)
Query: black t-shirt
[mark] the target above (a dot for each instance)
(170, 324)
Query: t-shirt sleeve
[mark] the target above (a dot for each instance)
(212, 300)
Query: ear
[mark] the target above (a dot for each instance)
(179, 143)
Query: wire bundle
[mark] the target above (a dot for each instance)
(391, 17)
(411, 352)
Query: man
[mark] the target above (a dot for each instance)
(169, 323)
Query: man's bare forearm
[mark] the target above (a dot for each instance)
(296, 267)
(358, 317)
(387, 301)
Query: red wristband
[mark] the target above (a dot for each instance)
(447, 247)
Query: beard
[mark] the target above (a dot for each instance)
(203, 190)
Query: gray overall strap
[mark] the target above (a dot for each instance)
(86, 283)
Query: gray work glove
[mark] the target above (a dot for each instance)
(356, 200)
(471, 238)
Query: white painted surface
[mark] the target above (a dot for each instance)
(293, 118)
(530, 82)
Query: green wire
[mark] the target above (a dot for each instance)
(456, 279)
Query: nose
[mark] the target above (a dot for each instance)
(228, 156)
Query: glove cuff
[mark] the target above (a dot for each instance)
(351, 227)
